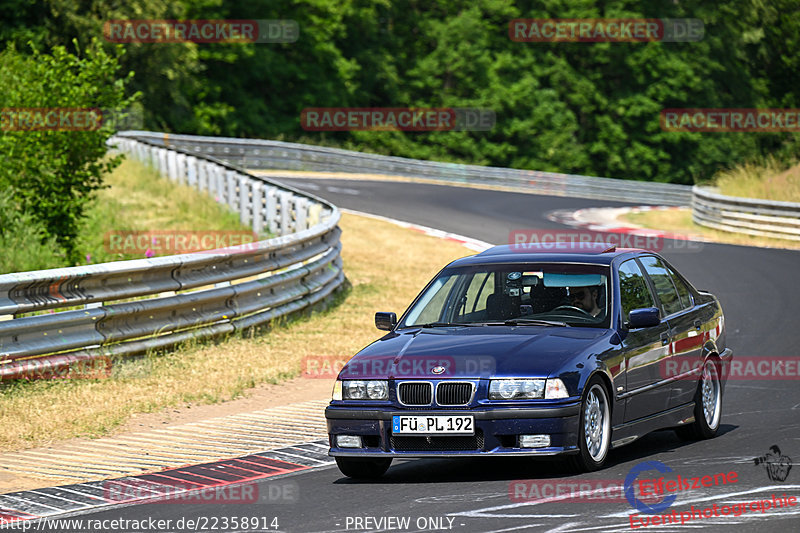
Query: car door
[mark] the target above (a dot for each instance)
(644, 347)
(682, 333)
(686, 330)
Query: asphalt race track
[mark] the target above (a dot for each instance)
(761, 299)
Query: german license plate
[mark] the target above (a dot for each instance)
(433, 425)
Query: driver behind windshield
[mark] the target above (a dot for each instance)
(585, 298)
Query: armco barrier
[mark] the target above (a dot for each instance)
(764, 218)
(262, 154)
(178, 297)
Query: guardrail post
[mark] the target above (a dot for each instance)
(222, 186)
(245, 200)
(232, 182)
(314, 214)
(286, 214)
(257, 201)
(193, 166)
(301, 211)
(202, 176)
(272, 211)
(162, 161)
(211, 173)
(172, 165)
(180, 169)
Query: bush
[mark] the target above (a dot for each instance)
(24, 240)
(51, 174)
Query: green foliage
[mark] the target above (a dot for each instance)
(24, 240)
(49, 173)
(587, 108)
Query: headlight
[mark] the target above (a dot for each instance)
(365, 390)
(516, 389)
(527, 389)
(377, 390)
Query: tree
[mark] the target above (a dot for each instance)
(51, 171)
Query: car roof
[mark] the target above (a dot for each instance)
(598, 254)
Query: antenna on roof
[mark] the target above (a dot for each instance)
(610, 249)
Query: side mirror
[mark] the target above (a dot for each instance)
(385, 321)
(644, 318)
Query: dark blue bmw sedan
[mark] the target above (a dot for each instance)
(531, 352)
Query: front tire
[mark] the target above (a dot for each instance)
(594, 429)
(707, 406)
(358, 468)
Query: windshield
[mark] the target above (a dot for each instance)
(565, 295)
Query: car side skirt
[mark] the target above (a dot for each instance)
(630, 431)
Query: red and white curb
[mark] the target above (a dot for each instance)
(190, 483)
(606, 220)
(467, 242)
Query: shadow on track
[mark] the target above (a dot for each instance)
(478, 469)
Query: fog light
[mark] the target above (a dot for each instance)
(534, 441)
(348, 441)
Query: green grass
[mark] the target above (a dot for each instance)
(24, 241)
(137, 199)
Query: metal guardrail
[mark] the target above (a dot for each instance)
(765, 218)
(177, 297)
(262, 154)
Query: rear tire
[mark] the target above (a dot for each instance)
(707, 406)
(594, 428)
(358, 468)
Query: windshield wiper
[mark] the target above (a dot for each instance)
(534, 322)
(443, 324)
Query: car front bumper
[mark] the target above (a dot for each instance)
(497, 432)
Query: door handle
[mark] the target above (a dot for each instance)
(664, 338)
(698, 325)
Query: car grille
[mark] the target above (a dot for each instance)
(453, 393)
(415, 393)
(437, 444)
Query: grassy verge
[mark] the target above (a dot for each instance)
(137, 199)
(386, 266)
(680, 221)
(768, 181)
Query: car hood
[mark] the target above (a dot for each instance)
(491, 351)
